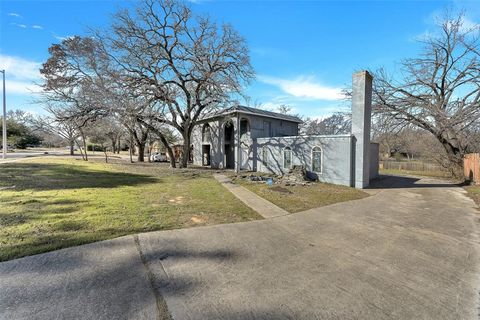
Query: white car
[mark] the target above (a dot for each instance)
(158, 157)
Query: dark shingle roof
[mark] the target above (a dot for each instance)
(253, 111)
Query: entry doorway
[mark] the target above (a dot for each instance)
(206, 155)
(229, 146)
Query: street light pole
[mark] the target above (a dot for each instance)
(4, 124)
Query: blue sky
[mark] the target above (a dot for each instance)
(303, 52)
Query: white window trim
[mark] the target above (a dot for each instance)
(321, 159)
(283, 157)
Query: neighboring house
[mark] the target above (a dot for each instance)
(244, 138)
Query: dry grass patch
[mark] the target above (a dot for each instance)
(300, 198)
(474, 193)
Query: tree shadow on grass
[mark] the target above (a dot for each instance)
(62, 176)
(402, 182)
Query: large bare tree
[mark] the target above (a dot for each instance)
(185, 63)
(337, 123)
(439, 91)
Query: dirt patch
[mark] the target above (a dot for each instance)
(197, 220)
(281, 190)
(177, 200)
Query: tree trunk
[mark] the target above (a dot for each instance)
(171, 156)
(130, 151)
(119, 145)
(141, 152)
(84, 144)
(185, 151)
(114, 144)
(72, 147)
(80, 148)
(455, 156)
(105, 152)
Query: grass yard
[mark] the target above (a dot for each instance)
(53, 203)
(434, 174)
(299, 198)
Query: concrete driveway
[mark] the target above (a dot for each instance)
(410, 251)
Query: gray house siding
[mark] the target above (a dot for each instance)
(257, 127)
(374, 159)
(336, 156)
(245, 138)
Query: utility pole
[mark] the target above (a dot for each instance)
(4, 124)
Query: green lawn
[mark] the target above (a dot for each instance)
(299, 198)
(52, 203)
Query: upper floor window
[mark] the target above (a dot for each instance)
(244, 128)
(265, 155)
(206, 133)
(287, 158)
(317, 159)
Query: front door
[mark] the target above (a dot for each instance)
(206, 155)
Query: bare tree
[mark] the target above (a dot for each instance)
(114, 132)
(63, 128)
(439, 91)
(338, 123)
(98, 134)
(284, 109)
(184, 62)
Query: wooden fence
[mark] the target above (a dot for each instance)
(411, 166)
(471, 167)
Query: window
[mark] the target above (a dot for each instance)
(244, 128)
(317, 159)
(287, 158)
(206, 133)
(267, 129)
(265, 155)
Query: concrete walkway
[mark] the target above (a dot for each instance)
(408, 252)
(263, 207)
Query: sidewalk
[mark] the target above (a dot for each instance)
(265, 208)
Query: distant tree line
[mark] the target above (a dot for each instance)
(19, 132)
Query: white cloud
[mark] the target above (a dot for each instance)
(437, 18)
(35, 26)
(21, 87)
(20, 74)
(304, 87)
(60, 37)
(468, 24)
(19, 25)
(13, 14)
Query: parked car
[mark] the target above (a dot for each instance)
(158, 157)
(9, 147)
